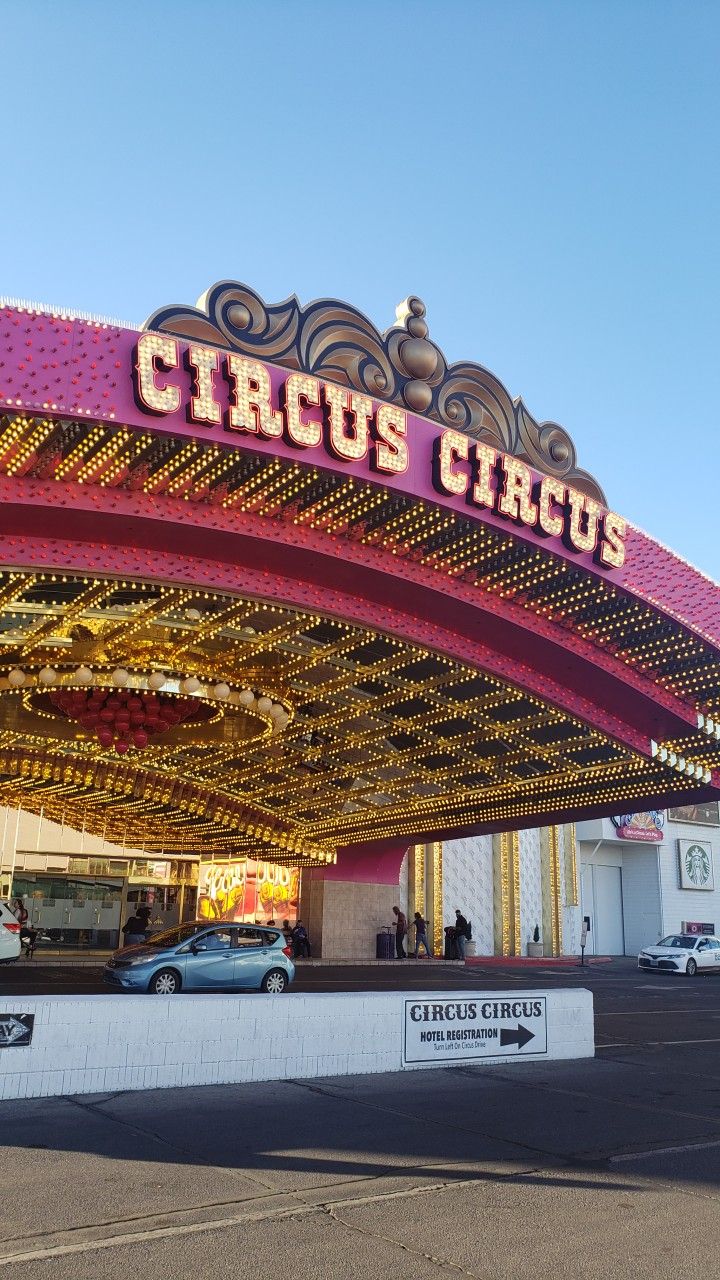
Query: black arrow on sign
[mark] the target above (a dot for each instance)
(519, 1037)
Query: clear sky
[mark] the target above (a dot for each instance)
(545, 175)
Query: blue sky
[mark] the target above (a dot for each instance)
(544, 175)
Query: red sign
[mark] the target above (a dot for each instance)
(647, 826)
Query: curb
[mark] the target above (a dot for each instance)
(532, 962)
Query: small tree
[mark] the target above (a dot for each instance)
(536, 933)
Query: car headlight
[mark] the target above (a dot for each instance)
(134, 960)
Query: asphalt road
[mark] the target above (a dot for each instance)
(600, 1168)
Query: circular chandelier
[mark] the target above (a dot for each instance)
(123, 710)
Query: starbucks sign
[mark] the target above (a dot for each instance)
(696, 864)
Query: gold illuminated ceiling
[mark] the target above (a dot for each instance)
(382, 738)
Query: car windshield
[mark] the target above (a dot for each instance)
(678, 940)
(173, 937)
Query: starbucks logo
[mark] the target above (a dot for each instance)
(697, 865)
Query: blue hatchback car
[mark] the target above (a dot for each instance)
(204, 957)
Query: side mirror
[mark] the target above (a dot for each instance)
(198, 946)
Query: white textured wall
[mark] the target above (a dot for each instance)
(99, 1044)
(401, 898)
(468, 884)
(530, 886)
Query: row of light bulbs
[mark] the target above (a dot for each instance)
(85, 676)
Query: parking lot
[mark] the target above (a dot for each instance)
(599, 1167)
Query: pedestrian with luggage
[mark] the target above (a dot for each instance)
(420, 935)
(400, 932)
(462, 933)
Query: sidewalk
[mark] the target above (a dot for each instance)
(532, 962)
(53, 957)
(96, 959)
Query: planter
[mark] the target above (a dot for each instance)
(470, 948)
(535, 950)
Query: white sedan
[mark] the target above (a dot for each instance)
(9, 935)
(682, 953)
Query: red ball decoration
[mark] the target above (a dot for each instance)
(121, 717)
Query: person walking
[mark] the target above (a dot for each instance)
(400, 932)
(462, 933)
(135, 929)
(420, 935)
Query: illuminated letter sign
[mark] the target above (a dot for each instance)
(250, 408)
(154, 351)
(245, 396)
(391, 451)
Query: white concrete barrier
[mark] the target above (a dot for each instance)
(99, 1044)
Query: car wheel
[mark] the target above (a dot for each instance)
(691, 968)
(274, 982)
(165, 983)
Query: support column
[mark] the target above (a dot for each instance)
(434, 883)
(425, 890)
(551, 889)
(572, 889)
(416, 879)
(345, 906)
(506, 894)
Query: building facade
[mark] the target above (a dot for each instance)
(284, 596)
(645, 879)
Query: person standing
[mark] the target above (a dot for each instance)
(420, 935)
(19, 911)
(135, 929)
(400, 932)
(300, 941)
(27, 935)
(462, 931)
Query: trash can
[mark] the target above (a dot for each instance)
(385, 944)
(450, 953)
